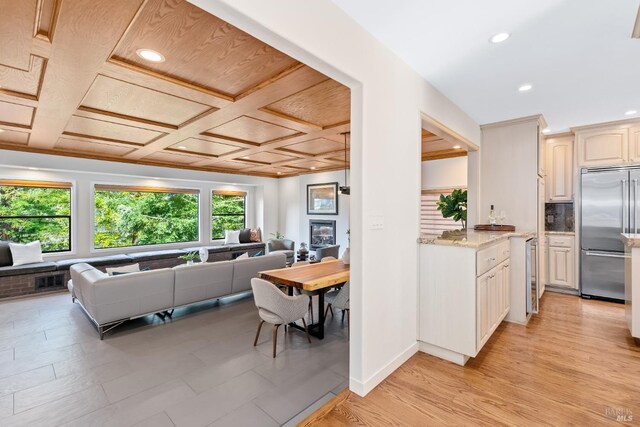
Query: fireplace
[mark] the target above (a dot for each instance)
(322, 233)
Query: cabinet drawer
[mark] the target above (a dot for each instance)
(561, 241)
(488, 258)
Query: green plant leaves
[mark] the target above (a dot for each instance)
(454, 206)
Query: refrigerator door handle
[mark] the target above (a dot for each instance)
(624, 205)
(605, 254)
(635, 206)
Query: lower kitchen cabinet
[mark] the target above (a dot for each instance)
(493, 300)
(561, 262)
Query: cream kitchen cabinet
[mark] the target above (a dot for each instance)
(634, 144)
(493, 298)
(603, 146)
(559, 179)
(561, 261)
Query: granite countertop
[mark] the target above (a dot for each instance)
(472, 238)
(560, 233)
(631, 240)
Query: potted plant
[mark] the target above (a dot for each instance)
(190, 257)
(454, 206)
(278, 235)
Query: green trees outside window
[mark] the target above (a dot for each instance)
(36, 213)
(228, 213)
(137, 218)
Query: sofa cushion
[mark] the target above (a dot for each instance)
(245, 235)
(5, 254)
(153, 255)
(38, 267)
(199, 282)
(95, 262)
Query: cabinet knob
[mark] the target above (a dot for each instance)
(491, 259)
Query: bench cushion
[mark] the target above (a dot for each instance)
(95, 262)
(212, 249)
(38, 267)
(154, 255)
(245, 246)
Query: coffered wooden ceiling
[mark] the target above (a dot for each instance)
(71, 83)
(435, 147)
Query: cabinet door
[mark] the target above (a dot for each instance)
(603, 147)
(506, 289)
(634, 144)
(542, 157)
(495, 297)
(559, 180)
(482, 310)
(561, 266)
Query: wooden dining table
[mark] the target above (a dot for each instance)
(312, 277)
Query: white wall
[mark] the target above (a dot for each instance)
(444, 173)
(387, 99)
(262, 193)
(294, 221)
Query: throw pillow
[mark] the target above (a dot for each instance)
(256, 235)
(244, 256)
(231, 237)
(259, 253)
(120, 273)
(245, 235)
(26, 253)
(5, 254)
(123, 269)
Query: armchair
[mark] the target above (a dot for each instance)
(282, 246)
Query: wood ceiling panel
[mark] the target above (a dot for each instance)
(232, 165)
(438, 145)
(267, 157)
(200, 49)
(315, 146)
(324, 104)
(92, 147)
(17, 18)
(103, 129)
(16, 114)
(169, 157)
(47, 18)
(253, 130)
(197, 145)
(119, 97)
(14, 137)
(23, 82)
(316, 164)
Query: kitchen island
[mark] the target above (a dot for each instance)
(632, 283)
(469, 283)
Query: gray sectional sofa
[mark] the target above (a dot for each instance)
(111, 300)
(52, 276)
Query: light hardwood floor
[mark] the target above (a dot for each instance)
(198, 369)
(575, 364)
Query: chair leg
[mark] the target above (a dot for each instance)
(343, 315)
(306, 330)
(329, 308)
(311, 308)
(275, 339)
(255, 342)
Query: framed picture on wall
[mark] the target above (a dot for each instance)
(322, 199)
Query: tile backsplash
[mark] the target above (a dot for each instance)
(559, 217)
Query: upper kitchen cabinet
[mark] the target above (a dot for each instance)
(603, 146)
(634, 144)
(542, 148)
(559, 168)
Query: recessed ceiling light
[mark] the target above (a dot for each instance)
(182, 147)
(499, 38)
(150, 55)
(34, 169)
(279, 173)
(457, 147)
(246, 157)
(525, 88)
(546, 130)
(312, 168)
(630, 113)
(1, 130)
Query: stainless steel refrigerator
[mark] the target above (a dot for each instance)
(608, 207)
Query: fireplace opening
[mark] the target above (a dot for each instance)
(322, 233)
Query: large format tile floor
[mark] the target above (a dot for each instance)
(198, 369)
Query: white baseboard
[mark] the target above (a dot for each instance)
(443, 353)
(362, 388)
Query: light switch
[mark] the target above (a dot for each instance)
(376, 222)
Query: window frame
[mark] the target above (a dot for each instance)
(212, 216)
(444, 224)
(94, 187)
(61, 185)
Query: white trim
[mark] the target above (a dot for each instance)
(362, 388)
(443, 353)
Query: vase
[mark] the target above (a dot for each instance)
(190, 262)
(346, 256)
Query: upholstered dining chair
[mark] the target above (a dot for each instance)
(328, 258)
(340, 300)
(326, 251)
(276, 308)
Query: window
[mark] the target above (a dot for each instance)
(431, 220)
(36, 210)
(228, 212)
(138, 216)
